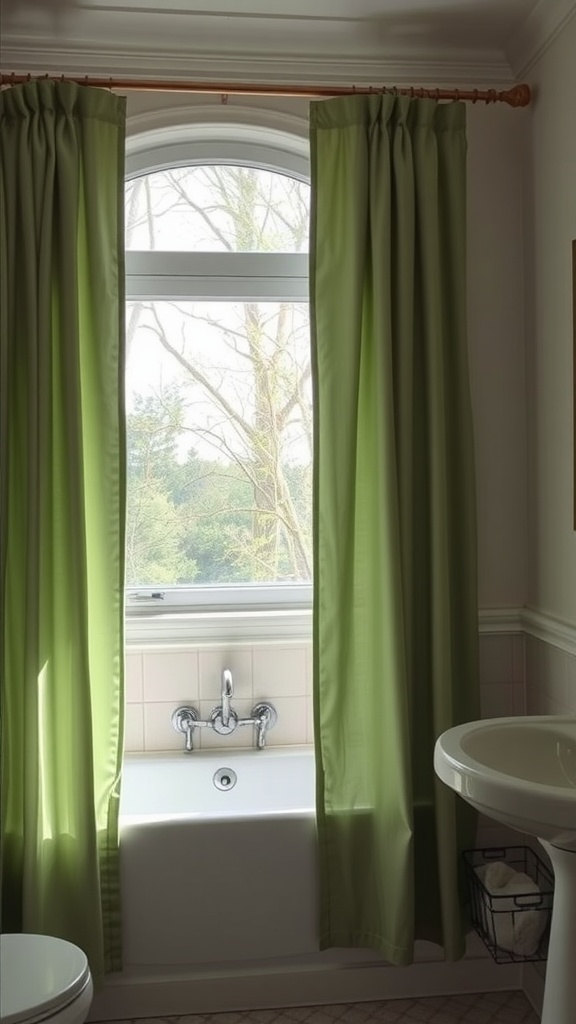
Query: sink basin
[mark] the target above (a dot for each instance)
(520, 771)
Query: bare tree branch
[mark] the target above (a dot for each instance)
(200, 378)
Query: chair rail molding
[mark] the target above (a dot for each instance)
(556, 632)
(500, 620)
(531, 622)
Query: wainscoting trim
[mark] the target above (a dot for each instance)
(500, 620)
(532, 622)
(295, 627)
(551, 630)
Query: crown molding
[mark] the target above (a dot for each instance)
(475, 68)
(542, 26)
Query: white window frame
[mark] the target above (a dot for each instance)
(218, 614)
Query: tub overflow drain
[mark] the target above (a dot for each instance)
(225, 778)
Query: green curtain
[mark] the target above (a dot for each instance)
(395, 613)
(62, 509)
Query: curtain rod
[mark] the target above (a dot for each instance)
(517, 96)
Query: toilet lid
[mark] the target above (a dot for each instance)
(39, 973)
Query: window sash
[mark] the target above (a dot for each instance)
(251, 612)
(251, 277)
(255, 612)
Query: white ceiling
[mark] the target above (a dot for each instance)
(331, 40)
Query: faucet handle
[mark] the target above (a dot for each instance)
(184, 720)
(227, 685)
(265, 717)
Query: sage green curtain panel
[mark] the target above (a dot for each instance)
(395, 614)
(62, 509)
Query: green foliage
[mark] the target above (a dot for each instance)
(190, 520)
(155, 537)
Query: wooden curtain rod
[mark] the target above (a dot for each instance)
(517, 96)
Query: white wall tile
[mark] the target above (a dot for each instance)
(134, 727)
(518, 663)
(520, 675)
(497, 700)
(309, 669)
(496, 658)
(213, 662)
(171, 676)
(158, 731)
(309, 719)
(550, 679)
(519, 698)
(553, 668)
(291, 726)
(133, 678)
(536, 702)
(279, 672)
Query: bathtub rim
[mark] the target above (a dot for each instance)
(216, 758)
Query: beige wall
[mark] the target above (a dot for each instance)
(496, 145)
(551, 225)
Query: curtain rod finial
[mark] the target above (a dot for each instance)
(518, 96)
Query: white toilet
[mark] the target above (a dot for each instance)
(43, 979)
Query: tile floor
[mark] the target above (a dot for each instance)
(481, 1008)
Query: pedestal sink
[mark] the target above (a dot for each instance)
(522, 772)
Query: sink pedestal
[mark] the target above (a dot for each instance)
(522, 772)
(560, 988)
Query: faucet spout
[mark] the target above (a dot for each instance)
(227, 692)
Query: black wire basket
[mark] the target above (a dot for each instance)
(509, 936)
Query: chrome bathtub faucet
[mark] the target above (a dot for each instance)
(223, 719)
(226, 693)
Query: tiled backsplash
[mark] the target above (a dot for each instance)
(519, 675)
(159, 680)
(501, 674)
(550, 679)
(522, 675)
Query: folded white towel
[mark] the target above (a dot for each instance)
(515, 928)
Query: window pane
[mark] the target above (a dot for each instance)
(217, 208)
(219, 443)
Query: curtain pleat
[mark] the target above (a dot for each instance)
(63, 508)
(395, 613)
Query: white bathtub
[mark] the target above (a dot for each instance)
(218, 877)
(219, 898)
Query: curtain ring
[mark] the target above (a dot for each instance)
(224, 98)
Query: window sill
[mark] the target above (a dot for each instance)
(218, 628)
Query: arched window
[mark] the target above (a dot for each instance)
(219, 397)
